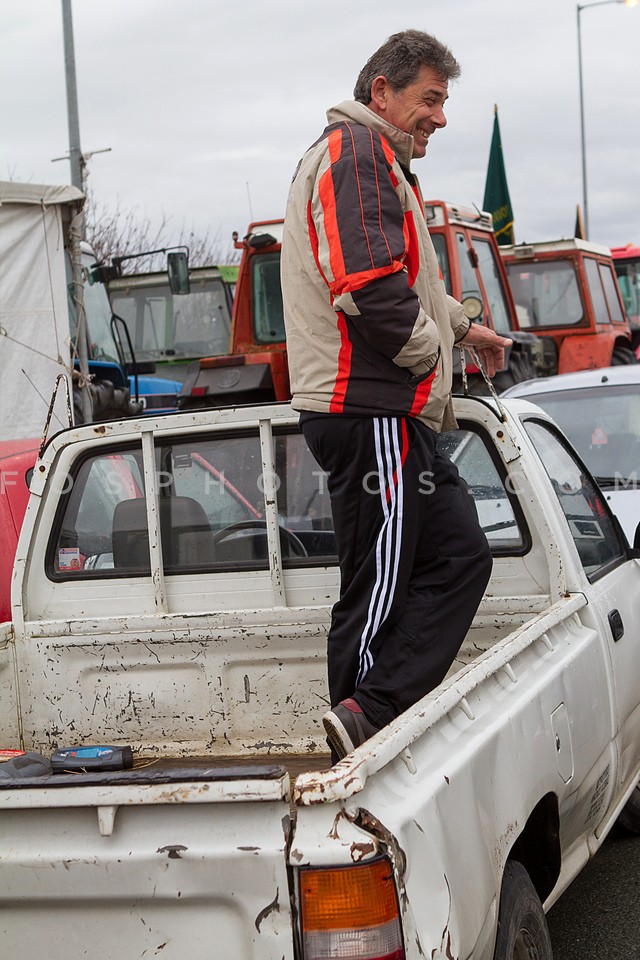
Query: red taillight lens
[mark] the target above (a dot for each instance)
(350, 912)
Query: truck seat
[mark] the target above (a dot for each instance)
(187, 539)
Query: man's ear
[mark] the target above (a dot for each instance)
(379, 95)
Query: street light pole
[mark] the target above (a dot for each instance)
(579, 8)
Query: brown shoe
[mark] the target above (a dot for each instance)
(347, 727)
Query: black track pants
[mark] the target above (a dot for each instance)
(414, 562)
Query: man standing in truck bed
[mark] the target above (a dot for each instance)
(370, 335)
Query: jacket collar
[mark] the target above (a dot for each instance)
(401, 142)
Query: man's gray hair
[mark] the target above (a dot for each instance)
(399, 60)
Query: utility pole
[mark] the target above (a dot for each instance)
(77, 233)
(75, 153)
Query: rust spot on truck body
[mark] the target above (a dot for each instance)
(361, 850)
(274, 905)
(173, 850)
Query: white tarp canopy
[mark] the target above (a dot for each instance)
(34, 313)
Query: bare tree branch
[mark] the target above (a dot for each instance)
(118, 232)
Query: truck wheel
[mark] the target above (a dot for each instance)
(522, 926)
(622, 355)
(629, 818)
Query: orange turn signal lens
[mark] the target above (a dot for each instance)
(350, 912)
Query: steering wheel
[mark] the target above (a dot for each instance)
(296, 546)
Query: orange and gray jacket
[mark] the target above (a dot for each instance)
(370, 328)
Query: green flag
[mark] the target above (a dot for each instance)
(496, 192)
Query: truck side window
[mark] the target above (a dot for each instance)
(266, 293)
(611, 293)
(600, 309)
(492, 284)
(89, 532)
(440, 247)
(468, 278)
(498, 512)
(582, 503)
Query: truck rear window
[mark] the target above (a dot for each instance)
(211, 502)
(210, 509)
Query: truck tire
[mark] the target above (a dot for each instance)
(629, 818)
(523, 933)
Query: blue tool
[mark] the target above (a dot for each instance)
(91, 758)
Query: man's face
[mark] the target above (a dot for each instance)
(418, 109)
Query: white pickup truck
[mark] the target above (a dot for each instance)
(172, 590)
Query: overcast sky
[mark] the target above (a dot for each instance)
(207, 105)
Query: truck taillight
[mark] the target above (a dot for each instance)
(350, 912)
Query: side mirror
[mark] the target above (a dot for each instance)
(472, 307)
(178, 271)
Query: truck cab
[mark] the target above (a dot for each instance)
(566, 292)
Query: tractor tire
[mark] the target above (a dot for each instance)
(622, 355)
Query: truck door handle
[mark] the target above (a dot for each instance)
(616, 624)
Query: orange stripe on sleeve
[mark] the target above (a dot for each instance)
(344, 367)
(356, 281)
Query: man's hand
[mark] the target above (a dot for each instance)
(489, 345)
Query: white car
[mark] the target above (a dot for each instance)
(599, 411)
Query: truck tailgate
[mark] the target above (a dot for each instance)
(186, 864)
